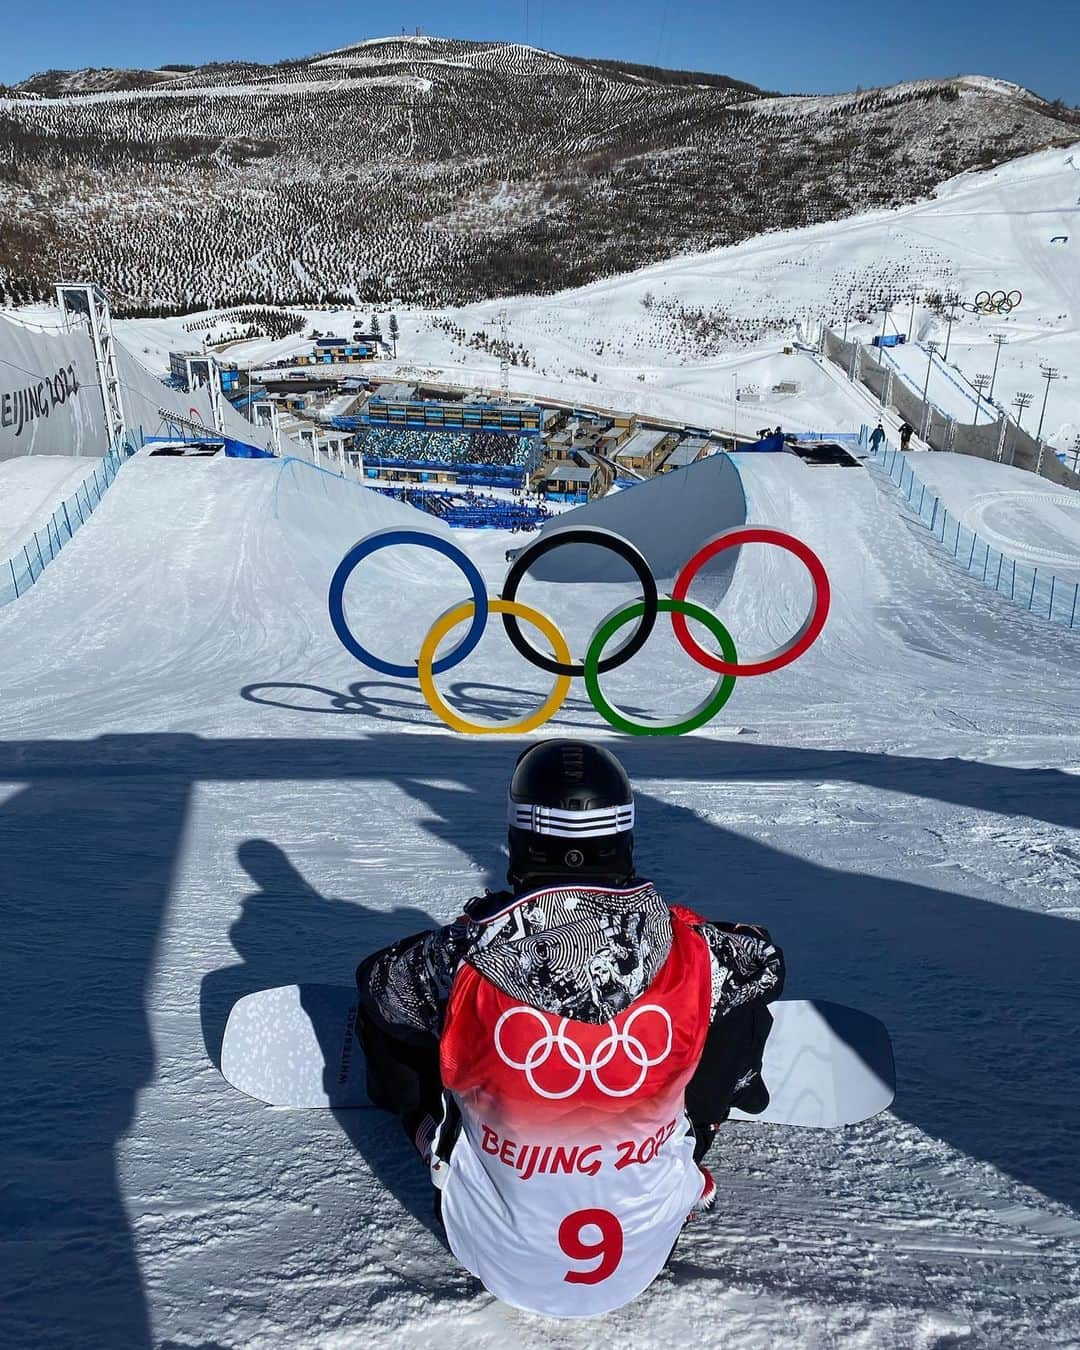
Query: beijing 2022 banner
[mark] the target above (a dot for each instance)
(50, 403)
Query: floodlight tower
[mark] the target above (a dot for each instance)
(952, 300)
(980, 382)
(1021, 403)
(1049, 374)
(931, 348)
(504, 355)
(847, 310)
(887, 303)
(999, 339)
(81, 300)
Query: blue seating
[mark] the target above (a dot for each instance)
(466, 511)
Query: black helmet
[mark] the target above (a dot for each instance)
(571, 816)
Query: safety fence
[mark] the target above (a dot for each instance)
(20, 572)
(1002, 439)
(1033, 588)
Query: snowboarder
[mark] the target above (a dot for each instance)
(563, 1053)
(906, 433)
(876, 437)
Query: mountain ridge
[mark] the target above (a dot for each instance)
(439, 171)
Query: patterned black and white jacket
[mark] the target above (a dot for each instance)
(585, 953)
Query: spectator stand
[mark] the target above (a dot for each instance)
(470, 510)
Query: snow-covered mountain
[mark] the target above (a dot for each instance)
(438, 171)
(681, 338)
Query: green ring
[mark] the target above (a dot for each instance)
(704, 712)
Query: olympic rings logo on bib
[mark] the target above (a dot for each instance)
(642, 613)
(573, 1058)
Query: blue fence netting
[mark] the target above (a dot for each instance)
(19, 572)
(1036, 589)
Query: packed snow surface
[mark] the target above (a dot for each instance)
(202, 794)
(1024, 517)
(32, 487)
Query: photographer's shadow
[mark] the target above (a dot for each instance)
(289, 933)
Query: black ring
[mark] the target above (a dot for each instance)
(585, 534)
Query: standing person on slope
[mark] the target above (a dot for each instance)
(562, 1054)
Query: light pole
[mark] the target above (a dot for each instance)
(1021, 402)
(952, 299)
(847, 311)
(931, 348)
(1049, 374)
(886, 309)
(980, 382)
(1000, 339)
(911, 320)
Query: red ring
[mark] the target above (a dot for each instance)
(797, 645)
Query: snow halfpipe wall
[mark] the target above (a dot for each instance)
(668, 518)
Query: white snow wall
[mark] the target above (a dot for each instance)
(668, 517)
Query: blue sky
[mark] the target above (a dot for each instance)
(791, 45)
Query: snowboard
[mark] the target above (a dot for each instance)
(825, 1064)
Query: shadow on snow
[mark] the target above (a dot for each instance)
(978, 995)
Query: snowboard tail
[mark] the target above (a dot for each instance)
(825, 1064)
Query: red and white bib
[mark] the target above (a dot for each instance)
(574, 1170)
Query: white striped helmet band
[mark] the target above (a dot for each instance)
(569, 824)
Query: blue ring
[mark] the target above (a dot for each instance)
(385, 539)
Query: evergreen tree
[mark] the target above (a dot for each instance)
(395, 333)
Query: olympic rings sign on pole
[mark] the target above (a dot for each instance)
(994, 302)
(642, 613)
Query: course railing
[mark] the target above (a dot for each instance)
(19, 572)
(1036, 589)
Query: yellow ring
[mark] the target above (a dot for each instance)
(459, 614)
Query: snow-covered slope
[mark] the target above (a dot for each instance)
(683, 338)
(447, 171)
(1031, 520)
(202, 794)
(31, 489)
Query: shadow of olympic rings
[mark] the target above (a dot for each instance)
(466, 697)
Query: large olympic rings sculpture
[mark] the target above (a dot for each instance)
(645, 612)
(994, 302)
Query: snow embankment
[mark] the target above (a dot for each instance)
(1029, 519)
(32, 487)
